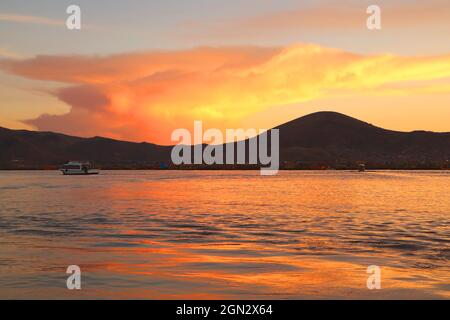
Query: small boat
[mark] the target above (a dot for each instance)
(362, 167)
(78, 168)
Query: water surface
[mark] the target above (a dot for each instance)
(225, 234)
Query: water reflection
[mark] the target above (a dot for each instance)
(166, 234)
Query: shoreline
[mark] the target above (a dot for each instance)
(238, 169)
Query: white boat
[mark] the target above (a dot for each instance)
(78, 168)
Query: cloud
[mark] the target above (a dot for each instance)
(43, 21)
(144, 96)
(351, 14)
(326, 16)
(16, 18)
(6, 53)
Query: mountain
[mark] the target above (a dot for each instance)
(318, 140)
(30, 149)
(335, 139)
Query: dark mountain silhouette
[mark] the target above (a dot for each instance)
(334, 139)
(318, 140)
(30, 149)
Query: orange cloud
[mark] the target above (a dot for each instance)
(6, 53)
(324, 16)
(144, 96)
(30, 19)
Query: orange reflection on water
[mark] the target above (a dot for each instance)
(231, 235)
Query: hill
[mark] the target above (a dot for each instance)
(318, 140)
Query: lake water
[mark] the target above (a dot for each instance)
(225, 234)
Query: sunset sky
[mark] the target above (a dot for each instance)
(139, 69)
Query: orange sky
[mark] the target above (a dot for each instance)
(144, 96)
(252, 66)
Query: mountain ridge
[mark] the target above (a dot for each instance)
(319, 140)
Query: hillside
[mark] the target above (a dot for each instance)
(318, 140)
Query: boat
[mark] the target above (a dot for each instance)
(78, 168)
(362, 167)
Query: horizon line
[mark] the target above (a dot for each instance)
(275, 127)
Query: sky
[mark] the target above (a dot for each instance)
(137, 70)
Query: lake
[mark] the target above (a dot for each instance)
(225, 234)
